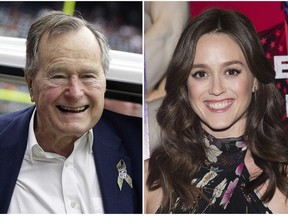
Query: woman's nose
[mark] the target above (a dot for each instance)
(216, 86)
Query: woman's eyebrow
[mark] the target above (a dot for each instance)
(228, 63)
(225, 64)
(195, 66)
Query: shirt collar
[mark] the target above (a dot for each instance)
(35, 151)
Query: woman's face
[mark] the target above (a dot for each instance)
(220, 85)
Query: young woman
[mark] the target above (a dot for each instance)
(223, 146)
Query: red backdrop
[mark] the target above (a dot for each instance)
(262, 14)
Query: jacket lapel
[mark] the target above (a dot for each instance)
(108, 152)
(12, 148)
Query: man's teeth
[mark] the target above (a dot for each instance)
(221, 105)
(72, 109)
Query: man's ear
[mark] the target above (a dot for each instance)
(29, 82)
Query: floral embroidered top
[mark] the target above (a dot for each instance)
(222, 179)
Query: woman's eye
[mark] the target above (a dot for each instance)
(232, 72)
(199, 74)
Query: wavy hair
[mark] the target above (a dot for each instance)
(182, 152)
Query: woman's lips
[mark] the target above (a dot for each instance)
(219, 105)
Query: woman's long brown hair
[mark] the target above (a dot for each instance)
(173, 165)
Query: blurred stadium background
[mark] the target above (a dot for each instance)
(121, 22)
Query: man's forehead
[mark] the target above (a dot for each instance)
(76, 42)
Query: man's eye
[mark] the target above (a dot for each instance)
(88, 76)
(199, 74)
(59, 79)
(58, 76)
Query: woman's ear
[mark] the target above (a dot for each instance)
(29, 82)
(255, 85)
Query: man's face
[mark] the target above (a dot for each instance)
(68, 89)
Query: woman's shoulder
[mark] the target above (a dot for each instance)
(152, 199)
(278, 204)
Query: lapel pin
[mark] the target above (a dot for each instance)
(123, 175)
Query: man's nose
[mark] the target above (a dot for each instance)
(74, 88)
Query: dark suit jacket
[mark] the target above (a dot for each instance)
(116, 137)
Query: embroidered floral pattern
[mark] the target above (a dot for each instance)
(228, 193)
(242, 145)
(218, 190)
(239, 169)
(222, 180)
(212, 151)
(206, 179)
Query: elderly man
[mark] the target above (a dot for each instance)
(67, 154)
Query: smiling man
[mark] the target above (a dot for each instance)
(67, 154)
